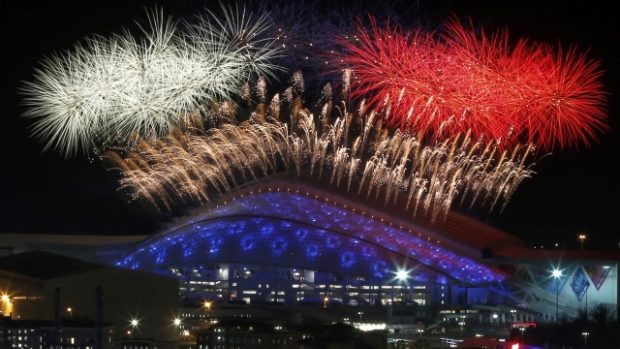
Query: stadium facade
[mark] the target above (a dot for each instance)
(284, 241)
(290, 242)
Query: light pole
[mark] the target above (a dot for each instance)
(7, 305)
(133, 324)
(582, 238)
(207, 305)
(557, 274)
(585, 335)
(587, 287)
(402, 277)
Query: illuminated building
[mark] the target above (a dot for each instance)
(280, 241)
(247, 334)
(54, 292)
(284, 246)
(288, 242)
(36, 334)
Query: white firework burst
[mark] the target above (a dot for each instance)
(119, 88)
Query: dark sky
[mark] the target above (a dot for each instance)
(572, 192)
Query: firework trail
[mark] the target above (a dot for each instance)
(468, 81)
(114, 90)
(353, 151)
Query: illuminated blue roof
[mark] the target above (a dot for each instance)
(284, 226)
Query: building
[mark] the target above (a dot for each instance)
(289, 242)
(283, 241)
(44, 287)
(239, 333)
(37, 334)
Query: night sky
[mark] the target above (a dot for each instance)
(573, 191)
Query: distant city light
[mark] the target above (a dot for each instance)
(134, 322)
(370, 326)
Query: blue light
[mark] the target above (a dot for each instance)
(301, 234)
(333, 241)
(189, 250)
(312, 251)
(279, 245)
(379, 269)
(247, 243)
(347, 259)
(215, 245)
(237, 227)
(368, 252)
(266, 230)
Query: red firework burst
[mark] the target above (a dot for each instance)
(462, 80)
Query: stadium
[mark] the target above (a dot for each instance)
(281, 240)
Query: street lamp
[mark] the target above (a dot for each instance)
(208, 305)
(557, 274)
(360, 313)
(7, 305)
(582, 238)
(177, 322)
(133, 324)
(402, 276)
(585, 335)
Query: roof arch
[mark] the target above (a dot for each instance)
(279, 212)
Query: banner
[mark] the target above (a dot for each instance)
(597, 274)
(580, 283)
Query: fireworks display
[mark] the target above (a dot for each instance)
(353, 152)
(306, 31)
(110, 90)
(439, 120)
(472, 81)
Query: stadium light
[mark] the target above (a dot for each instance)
(557, 274)
(402, 274)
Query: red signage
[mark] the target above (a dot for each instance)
(523, 324)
